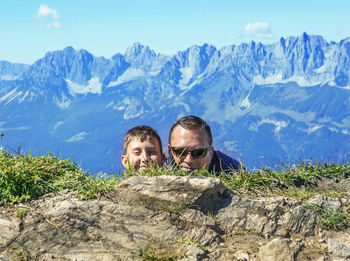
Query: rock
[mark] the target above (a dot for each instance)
(270, 217)
(325, 202)
(166, 217)
(9, 229)
(338, 249)
(279, 249)
(205, 193)
(121, 224)
(4, 258)
(241, 255)
(194, 252)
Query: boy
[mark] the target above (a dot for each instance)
(142, 146)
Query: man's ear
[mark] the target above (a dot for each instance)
(124, 160)
(211, 151)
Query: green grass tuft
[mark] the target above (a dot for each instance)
(331, 219)
(23, 178)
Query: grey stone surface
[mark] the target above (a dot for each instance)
(338, 249)
(269, 216)
(187, 218)
(326, 202)
(279, 250)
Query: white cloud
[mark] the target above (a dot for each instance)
(47, 11)
(49, 16)
(258, 29)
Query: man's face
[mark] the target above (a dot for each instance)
(190, 139)
(141, 154)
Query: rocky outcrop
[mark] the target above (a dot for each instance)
(183, 218)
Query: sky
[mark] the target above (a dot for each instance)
(29, 29)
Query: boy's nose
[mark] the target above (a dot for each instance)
(145, 155)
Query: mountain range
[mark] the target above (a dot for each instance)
(266, 103)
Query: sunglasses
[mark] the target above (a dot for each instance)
(195, 153)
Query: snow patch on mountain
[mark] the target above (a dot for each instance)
(8, 77)
(110, 104)
(94, 86)
(129, 75)
(59, 123)
(278, 78)
(245, 103)
(278, 124)
(10, 96)
(78, 137)
(2, 128)
(345, 87)
(114, 106)
(132, 108)
(23, 97)
(180, 104)
(346, 132)
(322, 69)
(314, 128)
(63, 103)
(259, 80)
(186, 74)
(231, 145)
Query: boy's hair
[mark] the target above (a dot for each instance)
(192, 123)
(141, 133)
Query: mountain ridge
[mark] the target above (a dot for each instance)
(289, 95)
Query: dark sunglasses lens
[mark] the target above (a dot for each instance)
(199, 153)
(180, 152)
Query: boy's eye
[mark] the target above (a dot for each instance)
(136, 152)
(151, 152)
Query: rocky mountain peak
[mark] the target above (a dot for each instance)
(138, 51)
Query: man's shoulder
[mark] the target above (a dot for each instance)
(222, 162)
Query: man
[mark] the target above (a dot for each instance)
(191, 147)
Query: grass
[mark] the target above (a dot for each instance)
(244, 231)
(176, 209)
(160, 251)
(337, 194)
(19, 253)
(191, 242)
(25, 177)
(295, 176)
(331, 219)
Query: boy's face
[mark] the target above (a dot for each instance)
(140, 155)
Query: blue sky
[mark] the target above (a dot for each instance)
(29, 29)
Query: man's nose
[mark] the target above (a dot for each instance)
(188, 157)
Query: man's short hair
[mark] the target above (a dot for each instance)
(141, 133)
(192, 123)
